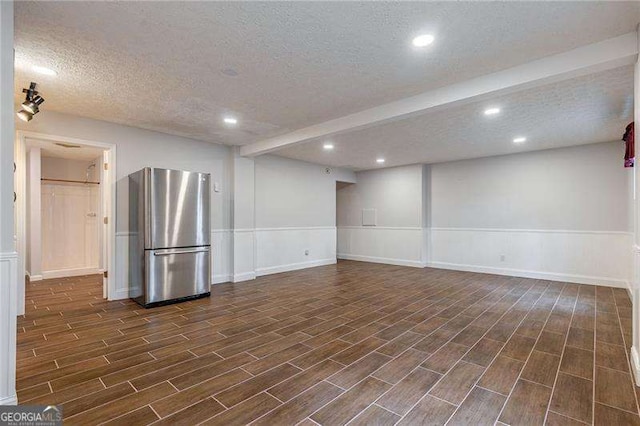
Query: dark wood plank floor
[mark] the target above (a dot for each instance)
(355, 343)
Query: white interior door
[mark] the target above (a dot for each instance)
(70, 233)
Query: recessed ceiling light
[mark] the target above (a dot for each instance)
(519, 139)
(492, 111)
(231, 120)
(423, 40)
(44, 70)
(380, 160)
(328, 146)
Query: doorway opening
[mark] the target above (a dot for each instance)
(343, 193)
(64, 206)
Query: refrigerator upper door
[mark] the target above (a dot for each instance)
(179, 211)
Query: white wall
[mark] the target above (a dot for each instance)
(399, 234)
(635, 214)
(557, 214)
(8, 256)
(578, 188)
(137, 148)
(244, 247)
(295, 213)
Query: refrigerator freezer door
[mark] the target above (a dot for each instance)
(178, 214)
(176, 273)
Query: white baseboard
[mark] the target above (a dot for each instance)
(63, 273)
(33, 278)
(294, 266)
(9, 400)
(388, 261)
(245, 276)
(578, 279)
(635, 365)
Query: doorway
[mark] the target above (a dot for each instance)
(343, 194)
(65, 200)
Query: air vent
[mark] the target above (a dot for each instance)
(67, 145)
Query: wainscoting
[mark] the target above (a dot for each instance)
(221, 240)
(260, 251)
(8, 312)
(586, 257)
(402, 246)
(283, 249)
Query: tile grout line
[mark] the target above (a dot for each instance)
(502, 348)
(403, 377)
(564, 346)
(626, 353)
(453, 337)
(546, 321)
(443, 375)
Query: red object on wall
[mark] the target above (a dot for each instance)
(630, 151)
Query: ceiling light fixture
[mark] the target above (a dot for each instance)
(492, 111)
(423, 40)
(231, 120)
(30, 106)
(380, 160)
(519, 139)
(44, 70)
(328, 146)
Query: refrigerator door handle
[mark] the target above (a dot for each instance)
(178, 251)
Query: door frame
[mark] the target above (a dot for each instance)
(108, 200)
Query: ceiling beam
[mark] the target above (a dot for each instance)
(601, 56)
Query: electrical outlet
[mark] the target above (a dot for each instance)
(306, 252)
(502, 257)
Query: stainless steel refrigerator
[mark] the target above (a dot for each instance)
(169, 236)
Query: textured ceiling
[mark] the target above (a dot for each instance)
(164, 65)
(589, 109)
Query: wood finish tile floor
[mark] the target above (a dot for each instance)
(355, 343)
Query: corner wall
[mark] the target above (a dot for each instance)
(295, 207)
(560, 214)
(399, 234)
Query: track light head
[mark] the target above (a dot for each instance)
(32, 105)
(24, 115)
